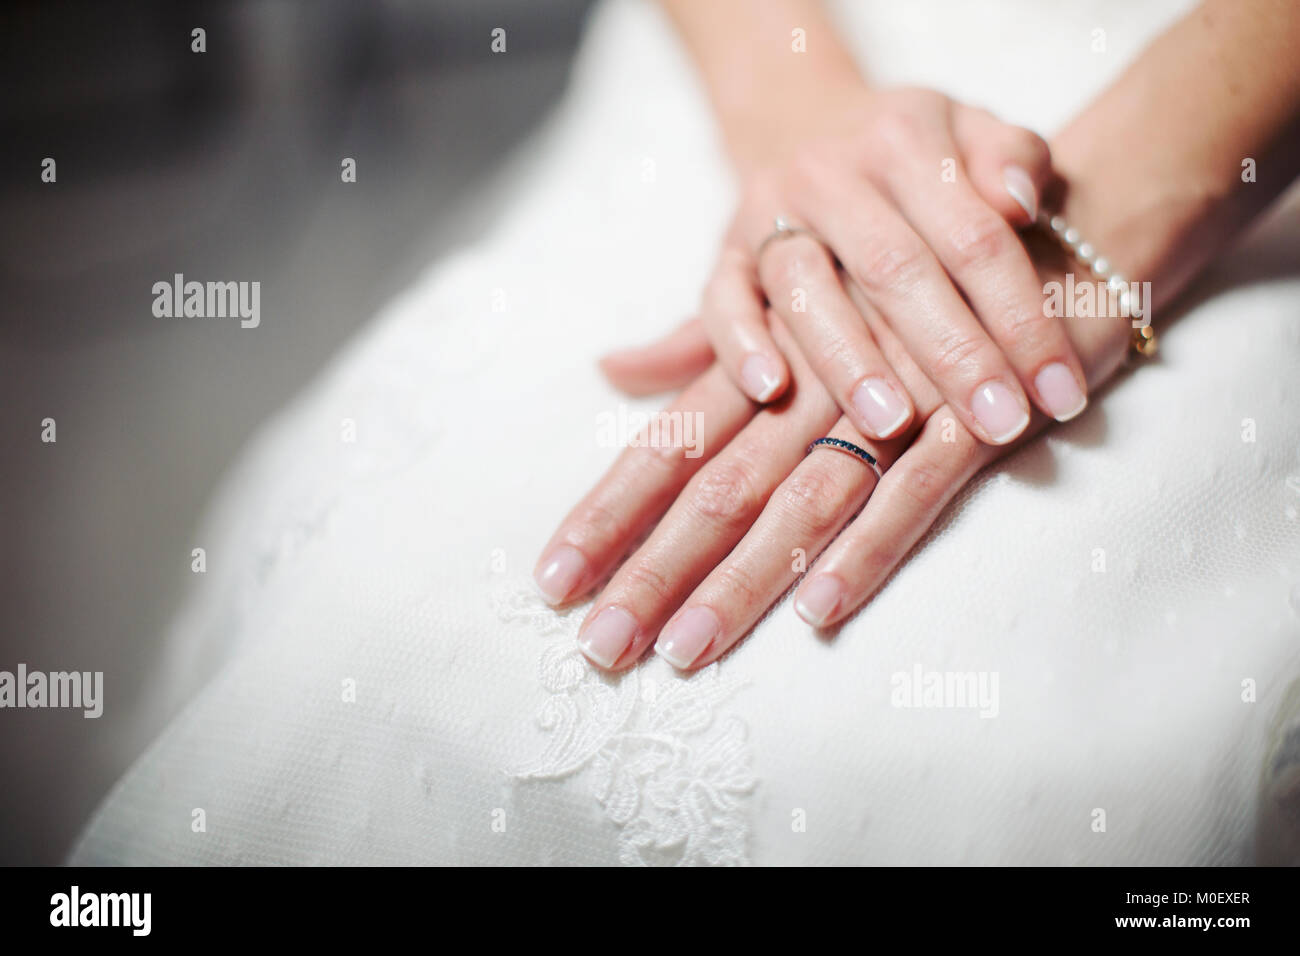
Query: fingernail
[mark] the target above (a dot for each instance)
(819, 598)
(761, 376)
(1060, 391)
(880, 406)
(608, 636)
(688, 635)
(560, 573)
(997, 409)
(1021, 187)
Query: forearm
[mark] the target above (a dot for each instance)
(768, 85)
(1154, 166)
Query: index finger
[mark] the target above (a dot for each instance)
(640, 485)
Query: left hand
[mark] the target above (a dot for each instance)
(726, 523)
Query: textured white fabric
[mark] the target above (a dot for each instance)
(400, 561)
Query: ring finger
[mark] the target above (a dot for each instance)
(908, 501)
(803, 516)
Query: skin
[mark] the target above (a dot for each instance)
(722, 526)
(911, 190)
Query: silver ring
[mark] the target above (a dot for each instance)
(781, 229)
(861, 454)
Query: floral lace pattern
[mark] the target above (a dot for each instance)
(670, 770)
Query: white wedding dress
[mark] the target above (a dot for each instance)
(365, 674)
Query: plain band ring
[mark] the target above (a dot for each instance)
(781, 229)
(861, 454)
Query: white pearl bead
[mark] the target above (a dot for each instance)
(1087, 254)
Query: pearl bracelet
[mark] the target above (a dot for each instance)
(1142, 342)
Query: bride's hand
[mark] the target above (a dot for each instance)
(915, 197)
(722, 553)
(739, 516)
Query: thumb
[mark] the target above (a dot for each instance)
(1009, 166)
(662, 366)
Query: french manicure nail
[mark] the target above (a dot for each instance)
(998, 410)
(881, 406)
(688, 635)
(819, 598)
(761, 376)
(608, 636)
(560, 573)
(1060, 391)
(1021, 187)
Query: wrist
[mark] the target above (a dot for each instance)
(1155, 223)
(767, 67)
(1147, 183)
(764, 123)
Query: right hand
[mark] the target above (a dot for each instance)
(935, 254)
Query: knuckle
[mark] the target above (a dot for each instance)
(958, 353)
(978, 241)
(809, 167)
(948, 447)
(961, 455)
(1025, 329)
(762, 189)
(640, 577)
(813, 498)
(833, 359)
(920, 99)
(732, 267)
(719, 291)
(793, 263)
(926, 483)
(732, 256)
(882, 264)
(899, 129)
(725, 493)
(740, 584)
(874, 562)
(663, 458)
(597, 521)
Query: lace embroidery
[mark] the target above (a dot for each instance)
(667, 767)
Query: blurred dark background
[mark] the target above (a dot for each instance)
(224, 165)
